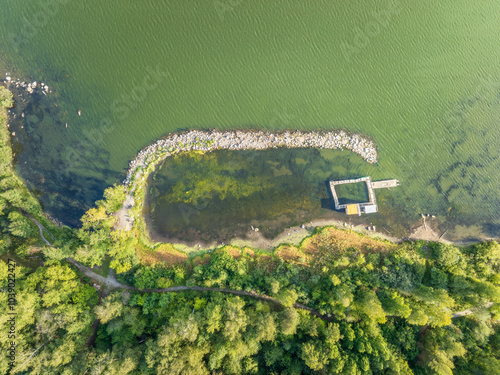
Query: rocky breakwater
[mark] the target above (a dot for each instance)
(251, 140)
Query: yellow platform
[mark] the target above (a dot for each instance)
(352, 209)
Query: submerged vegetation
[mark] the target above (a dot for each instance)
(368, 306)
(220, 195)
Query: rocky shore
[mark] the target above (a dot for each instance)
(251, 140)
(30, 87)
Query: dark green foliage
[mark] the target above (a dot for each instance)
(402, 335)
(439, 348)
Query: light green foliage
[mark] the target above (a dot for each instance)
(6, 98)
(99, 239)
(287, 297)
(213, 317)
(274, 286)
(113, 198)
(314, 356)
(110, 308)
(394, 304)
(335, 280)
(367, 307)
(265, 327)
(343, 295)
(486, 258)
(289, 319)
(236, 319)
(55, 305)
(418, 316)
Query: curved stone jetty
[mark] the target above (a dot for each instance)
(251, 140)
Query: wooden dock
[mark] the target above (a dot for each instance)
(385, 184)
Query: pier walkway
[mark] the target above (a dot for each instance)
(385, 184)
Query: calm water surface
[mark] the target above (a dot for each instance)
(420, 77)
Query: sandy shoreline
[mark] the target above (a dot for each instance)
(296, 234)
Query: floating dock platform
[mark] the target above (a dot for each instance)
(365, 207)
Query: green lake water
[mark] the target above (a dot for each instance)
(422, 78)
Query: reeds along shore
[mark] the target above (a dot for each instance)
(253, 140)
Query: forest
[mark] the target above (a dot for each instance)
(339, 303)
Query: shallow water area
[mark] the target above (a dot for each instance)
(220, 195)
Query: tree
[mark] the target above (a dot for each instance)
(314, 355)
(235, 318)
(265, 327)
(486, 258)
(213, 317)
(394, 304)
(287, 297)
(113, 198)
(448, 257)
(440, 346)
(418, 316)
(20, 226)
(110, 308)
(57, 306)
(367, 306)
(289, 320)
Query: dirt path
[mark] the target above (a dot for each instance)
(40, 228)
(110, 281)
(469, 311)
(124, 221)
